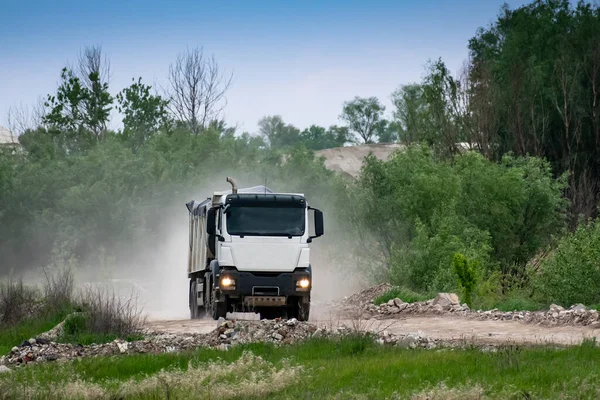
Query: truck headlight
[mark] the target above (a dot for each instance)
(303, 284)
(227, 282)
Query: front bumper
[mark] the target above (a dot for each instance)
(264, 284)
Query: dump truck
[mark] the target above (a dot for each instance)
(249, 252)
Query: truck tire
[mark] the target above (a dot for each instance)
(300, 309)
(195, 310)
(216, 309)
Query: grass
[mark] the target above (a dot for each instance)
(519, 304)
(404, 294)
(14, 335)
(348, 368)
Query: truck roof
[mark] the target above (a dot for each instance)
(218, 197)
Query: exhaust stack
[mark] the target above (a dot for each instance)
(234, 187)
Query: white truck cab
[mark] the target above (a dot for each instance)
(249, 251)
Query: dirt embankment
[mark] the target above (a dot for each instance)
(348, 160)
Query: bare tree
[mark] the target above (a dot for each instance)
(92, 61)
(196, 89)
(94, 74)
(22, 118)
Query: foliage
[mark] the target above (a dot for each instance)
(571, 274)
(427, 209)
(364, 117)
(466, 271)
(409, 113)
(76, 107)
(144, 114)
(534, 79)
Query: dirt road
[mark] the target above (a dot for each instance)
(445, 328)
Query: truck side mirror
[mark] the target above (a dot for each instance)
(319, 230)
(211, 221)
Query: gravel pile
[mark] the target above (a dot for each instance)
(227, 334)
(366, 296)
(448, 303)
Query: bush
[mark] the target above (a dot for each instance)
(58, 290)
(18, 302)
(572, 273)
(466, 271)
(106, 313)
(76, 324)
(422, 210)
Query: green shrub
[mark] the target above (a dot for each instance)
(572, 273)
(421, 210)
(466, 271)
(76, 324)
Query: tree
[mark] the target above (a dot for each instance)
(94, 75)
(144, 113)
(197, 88)
(534, 90)
(24, 118)
(410, 113)
(276, 133)
(318, 138)
(364, 117)
(390, 134)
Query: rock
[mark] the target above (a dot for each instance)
(220, 322)
(4, 369)
(14, 349)
(32, 341)
(391, 303)
(578, 307)
(42, 341)
(595, 325)
(229, 332)
(410, 341)
(398, 303)
(222, 336)
(438, 308)
(292, 322)
(277, 336)
(446, 300)
(556, 308)
(402, 306)
(122, 347)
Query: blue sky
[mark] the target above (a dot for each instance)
(298, 59)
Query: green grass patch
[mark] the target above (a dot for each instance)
(347, 368)
(14, 335)
(519, 304)
(404, 294)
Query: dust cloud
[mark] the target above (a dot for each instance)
(155, 271)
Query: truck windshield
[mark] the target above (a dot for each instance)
(265, 221)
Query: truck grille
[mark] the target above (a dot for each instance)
(265, 291)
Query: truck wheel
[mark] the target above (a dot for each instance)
(303, 310)
(299, 309)
(195, 311)
(216, 309)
